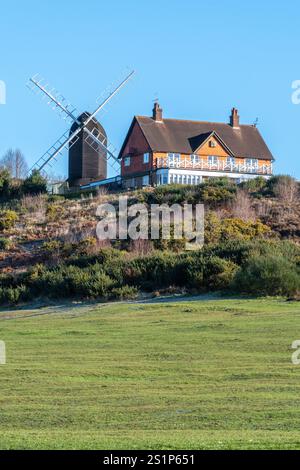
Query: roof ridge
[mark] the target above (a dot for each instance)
(199, 122)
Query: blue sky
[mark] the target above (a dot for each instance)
(200, 58)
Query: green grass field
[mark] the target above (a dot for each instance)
(211, 374)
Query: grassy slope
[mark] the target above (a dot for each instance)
(210, 374)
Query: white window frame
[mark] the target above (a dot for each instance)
(195, 158)
(127, 161)
(146, 158)
(230, 161)
(213, 160)
(174, 158)
(252, 162)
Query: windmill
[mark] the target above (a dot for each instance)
(84, 127)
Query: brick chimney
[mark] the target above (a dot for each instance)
(235, 119)
(157, 113)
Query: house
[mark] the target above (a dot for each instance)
(160, 151)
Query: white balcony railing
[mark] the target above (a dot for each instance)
(203, 164)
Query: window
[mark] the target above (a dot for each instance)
(195, 159)
(230, 160)
(174, 158)
(146, 158)
(252, 162)
(213, 160)
(146, 180)
(212, 144)
(127, 161)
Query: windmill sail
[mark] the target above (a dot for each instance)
(57, 101)
(68, 112)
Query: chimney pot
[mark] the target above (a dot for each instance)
(157, 113)
(235, 118)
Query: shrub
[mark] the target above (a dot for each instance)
(70, 281)
(255, 186)
(124, 293)
(240, 251)
(219, 230)
(214, 190)
(5, 243)
(170, 194)
(33, 204)
(13, 295)
(54, 212)
(217, 190)
(34, 184)
(268, 275)
(243, 230)
(5, 183)
(51, 246)
(8, 219)
(218, 273)
(154, 271)
(192, 270)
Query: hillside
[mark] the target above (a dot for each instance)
(49, 246)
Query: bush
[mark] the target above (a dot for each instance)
(268, 275)
(70, 281)
(154, 271)
(218, 273)
(8, 219)
(256, 186)
(5, 183)
(5, 244)
(54, 212)
(13, 295)
(220, 230)
(208, 272)
(217, 190)
(124, 293)
(34, 184)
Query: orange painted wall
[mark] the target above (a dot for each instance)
(206, 149)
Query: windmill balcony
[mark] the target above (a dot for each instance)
(204, 164)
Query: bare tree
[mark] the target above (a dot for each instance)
(15, 162)
(287, 189)
(242, 207)
(55, 178)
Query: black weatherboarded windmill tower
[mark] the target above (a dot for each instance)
(87, 163)
(89, 149)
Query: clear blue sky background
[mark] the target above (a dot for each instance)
(199, 57)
